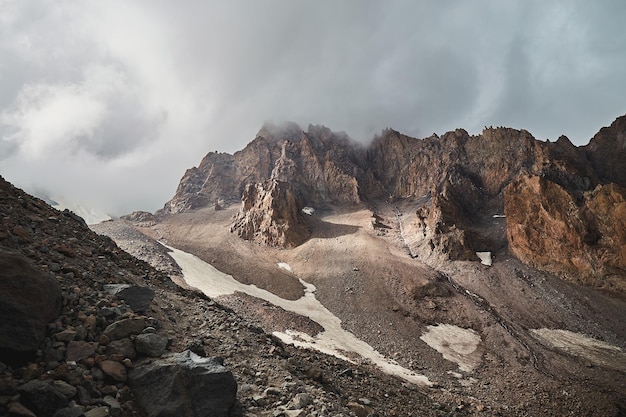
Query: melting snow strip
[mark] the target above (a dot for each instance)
(333, 340)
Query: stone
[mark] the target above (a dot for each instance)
(124, 347)
(29, 300)
(98, 412)
(301, 400)
(69, 411)
(16, 409)
(90, 322)
(361, 410)
(138, 298)
(124, 328)
(81, 333)
(151, 344)
(114, 369)
(8, 385)
(66, 335)
(114, 406)
(184, 384)
(78, 350)
(46, 397)
(83, 396)
(31, 371)
(438, 230)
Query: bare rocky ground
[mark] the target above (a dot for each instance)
(365, 275)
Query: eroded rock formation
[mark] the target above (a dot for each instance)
(579, 238)
(270, 215)
(438, 229)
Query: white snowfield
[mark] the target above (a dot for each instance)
(455, 344)
(334, 340)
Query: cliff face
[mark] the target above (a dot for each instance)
(456, 183)
(607, 152)
(549, 228)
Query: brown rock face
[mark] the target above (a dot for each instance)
(551, 229)
(319, 164)
(211, 181)
(270, 215)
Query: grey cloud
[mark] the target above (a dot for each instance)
(133, 93)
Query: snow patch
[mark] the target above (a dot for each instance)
(499, 216)
(485, 258)
(308, 210)
(334, 340)
(596, 351)
(455, 344)
(285, 266)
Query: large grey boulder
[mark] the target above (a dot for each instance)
(137, 297)
(125, 327)
(184, 384)
(46, 397)
(151, 344)
(29, 300)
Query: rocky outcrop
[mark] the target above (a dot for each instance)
(321, 166)
(29, 300)
(184, 384)
(437, 230)
(141, 218)
(408, 167)
(270, 215)
(578, 238)
(607, 152)
(213, 180)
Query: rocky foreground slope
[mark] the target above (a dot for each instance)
(87, 329)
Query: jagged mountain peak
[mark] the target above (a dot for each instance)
(321, 168)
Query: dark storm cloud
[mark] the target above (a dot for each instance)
(109, 102)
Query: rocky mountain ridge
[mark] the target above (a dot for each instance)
(456, 181)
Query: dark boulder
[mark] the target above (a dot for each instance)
(46, 397)
(29, 300)
(137, 297)
(151, 344)
(184, 384)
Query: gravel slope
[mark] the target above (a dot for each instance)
(365, 277)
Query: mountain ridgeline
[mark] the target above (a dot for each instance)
(563, 207)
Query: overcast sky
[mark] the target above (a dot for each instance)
(106, 103)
